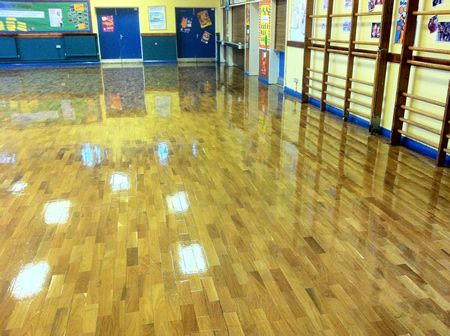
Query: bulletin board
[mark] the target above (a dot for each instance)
(44, 16)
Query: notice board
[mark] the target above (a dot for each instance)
(44, 16)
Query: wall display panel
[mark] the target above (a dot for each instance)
(298, 20)
(44, 16)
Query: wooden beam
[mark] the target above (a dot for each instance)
(326, 56)
(381, 67)
(351, 58)
(404, 72)
(445, 131)
(306, 50)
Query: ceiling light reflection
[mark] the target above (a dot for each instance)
(177, 202)
(56, 212)
(91, 155)
(163, 153)
(18, 187)
(192, 259)
(30, 280)
(120, 182)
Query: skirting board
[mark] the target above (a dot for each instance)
(407, 142)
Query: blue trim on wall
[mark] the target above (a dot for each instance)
(264, 80)
(411, 144)
(48, 64)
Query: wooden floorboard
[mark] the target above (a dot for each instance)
(191, 200)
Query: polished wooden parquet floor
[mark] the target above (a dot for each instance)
(188, 200)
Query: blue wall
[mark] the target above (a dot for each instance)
(51, 48)
(159, 48)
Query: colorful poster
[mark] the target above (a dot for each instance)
(206, 37)
(264, 23)
(186, 25)
(157, 17)
(443, 33)
(346, 25)
(55, 16)
(204, 19)
(401, 22)
(372, 3)
(298, 18)
(376, 29)
(263, 71)
(433, 24)
(44, 16)
(108, 23)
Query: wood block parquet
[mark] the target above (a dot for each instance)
(183, 200)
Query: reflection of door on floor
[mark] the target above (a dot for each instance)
(196, 29)
(119, 33)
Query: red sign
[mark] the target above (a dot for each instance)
(108, 23)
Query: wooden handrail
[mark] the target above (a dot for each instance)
(336, 76)
(366, 43)
(341, 15)
(314, 79)
(363, 114)
(335, 95)
(431, 50)
(430, 65)
(357, 102)
(333, 103)
(337, 41)
(335, 85)
(336, 51)
(313, 70)
(433, 12)
(313, 87)
(418, 138)
(424, 99)
(368, 13)
(354, 80)
(421, 112)
(361, 92)
(364, 54)
(317, 48)
(420, 125)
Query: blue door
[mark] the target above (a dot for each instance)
(119, 34)
(196, 31)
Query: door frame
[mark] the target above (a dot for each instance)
(120, 60)
(196, 59)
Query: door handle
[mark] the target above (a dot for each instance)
(121, 36)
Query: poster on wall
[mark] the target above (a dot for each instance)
(204, 19)
(372, 3)
(443, 32)
(298, 17)
(44, 16)
(264, 23)
(157, 17)
(376, 29)
(108, 23)
(186, 25)
(433, 24)
(401, 22)
(346, 25)
(263, 71)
